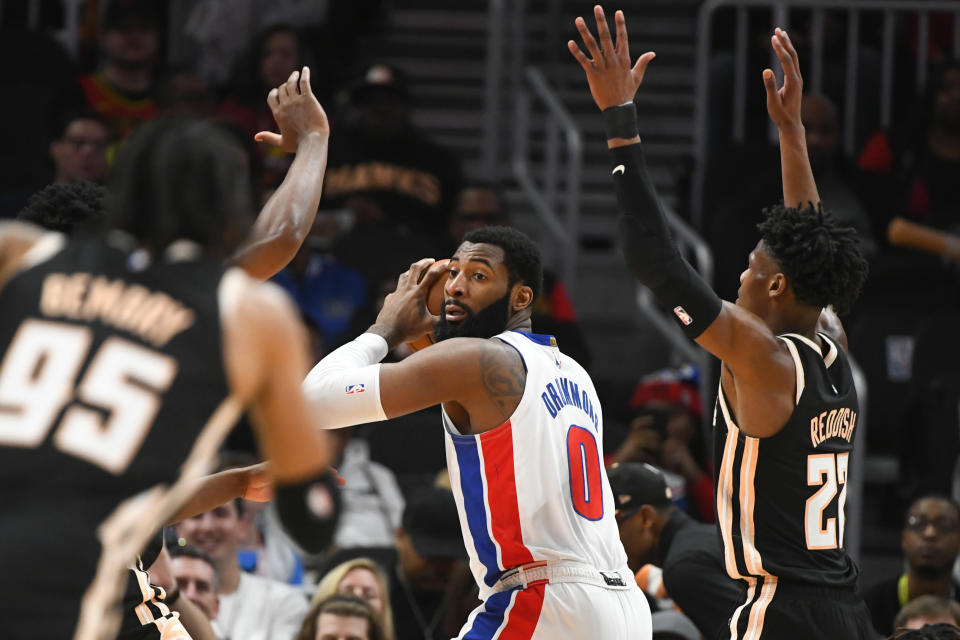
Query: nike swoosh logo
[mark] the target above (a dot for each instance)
(619, 169)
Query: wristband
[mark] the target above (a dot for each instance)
(620, 121)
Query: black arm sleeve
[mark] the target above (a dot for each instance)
(649, 249)
(309, 511)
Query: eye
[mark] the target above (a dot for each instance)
(452, 273)
(480, 276)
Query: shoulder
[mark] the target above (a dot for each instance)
(243, 298)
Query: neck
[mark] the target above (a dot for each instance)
(128, 78)
(919, 586)
(520, 322)
(800, 321)
(229, 574)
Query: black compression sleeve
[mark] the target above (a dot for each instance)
(649, 249)
(309, 511)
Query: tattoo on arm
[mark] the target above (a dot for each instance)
(503, 378)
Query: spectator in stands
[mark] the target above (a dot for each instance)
(122, 90)
(251, 607)
(276, 53)
(836, 186)
(341, 618)
(196, 577)
(481, 204)
(372, 504)
(328, 292)
(931, 543)
(79, 151)
(927, 610)
(400, 186)
(929, 632)
(921, 164)
(690, 560)
(429, 545)
(361, 578)
(181, 92)
(666, 431)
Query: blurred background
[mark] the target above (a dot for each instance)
(452, 115)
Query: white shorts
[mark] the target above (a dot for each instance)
(560, 610)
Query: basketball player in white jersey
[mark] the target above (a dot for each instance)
(524, 433)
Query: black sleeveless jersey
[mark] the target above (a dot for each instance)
(109, 370)
(780, 500)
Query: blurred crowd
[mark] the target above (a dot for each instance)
(392, 195)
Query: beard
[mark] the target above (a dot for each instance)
(932, 572)
(485, 323)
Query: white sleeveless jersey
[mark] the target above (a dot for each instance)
(535, 488)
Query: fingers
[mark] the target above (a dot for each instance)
(640, 68)
(304, 82)
(588, 40)
(434, 272)
(273, 99)
(289, 88)
(603, 30)
(578, 54)
(622, 48)
(770, 84)
(787, 44)
(420, 268)
(269, 137)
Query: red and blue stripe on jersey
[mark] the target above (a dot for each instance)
(489, 488)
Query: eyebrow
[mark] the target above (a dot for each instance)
(483, 260)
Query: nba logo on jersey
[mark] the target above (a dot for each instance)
(355, 388)
(683, 315)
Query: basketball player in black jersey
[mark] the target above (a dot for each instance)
(128, 357)
(787, 407)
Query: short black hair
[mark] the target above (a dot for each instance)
(64, 207)
(65, 118)
(521, 255)
(941, 631)
(180, 178)
(190, 551)
(940, 497)
(821, 259)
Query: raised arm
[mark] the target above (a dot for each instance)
(286, 218)
(731, 333)
(783, 106)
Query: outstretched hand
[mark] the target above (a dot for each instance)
(783, 104)
(297, 112)
(611, 78)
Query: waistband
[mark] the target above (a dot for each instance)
(801, 591)
(548, 571)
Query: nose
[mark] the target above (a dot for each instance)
(456, 287)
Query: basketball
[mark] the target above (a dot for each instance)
(434, 306)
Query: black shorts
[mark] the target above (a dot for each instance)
(773, 611)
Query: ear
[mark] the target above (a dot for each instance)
(777, 285)
(521, 297)
(648, 516)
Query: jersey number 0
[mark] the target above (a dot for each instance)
(120, 392)
(586, 483)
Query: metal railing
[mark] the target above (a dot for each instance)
(781, 18)
(545, 197)
(692, 246)
(69, 36)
